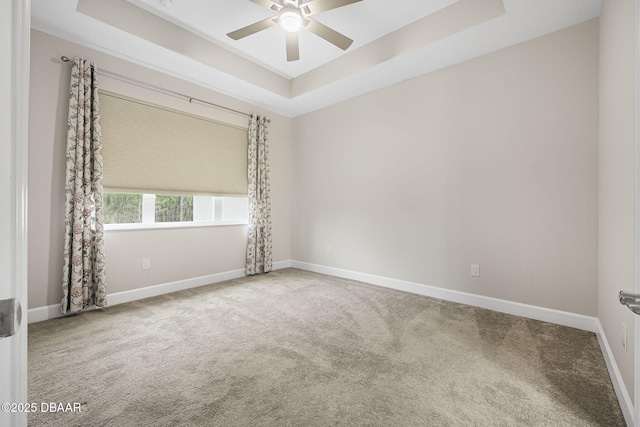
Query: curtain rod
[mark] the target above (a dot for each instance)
(161, 89)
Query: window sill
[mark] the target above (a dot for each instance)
(165, 225)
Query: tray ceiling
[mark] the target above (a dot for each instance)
(393, 41)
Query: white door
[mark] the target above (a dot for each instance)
(14, 84)
(636, 349)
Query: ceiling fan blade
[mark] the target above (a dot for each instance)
(252, 29)
(332, 36)
(317, 6)
(266, 3)
(293, 49)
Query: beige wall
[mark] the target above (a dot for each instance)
(175, 254)
(492, 162)
(616, 263)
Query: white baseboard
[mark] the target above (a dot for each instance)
(43, 313)
(626, 402)
(52, 311)
(564, 318)
(281, 264)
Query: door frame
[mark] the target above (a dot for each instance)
(636, 347)
(19, 56)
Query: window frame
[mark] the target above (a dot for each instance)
(149, 222)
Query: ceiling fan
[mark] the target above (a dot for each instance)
(292, 16)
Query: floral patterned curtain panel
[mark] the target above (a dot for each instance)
(83, 282)
(259, 238)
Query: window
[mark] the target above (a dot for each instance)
(157, 210)
(169, 168)
(173, 208)
(122, 208)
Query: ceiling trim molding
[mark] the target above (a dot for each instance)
(452, 19)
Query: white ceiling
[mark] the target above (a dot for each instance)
(393, 41)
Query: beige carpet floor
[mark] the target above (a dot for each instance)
(293, 348)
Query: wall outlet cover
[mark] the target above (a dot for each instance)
(475, 270)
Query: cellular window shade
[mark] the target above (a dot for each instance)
(151, 149)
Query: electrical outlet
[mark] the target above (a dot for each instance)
(328, 250)
(146, 263)
(475, 270)
(624, 336)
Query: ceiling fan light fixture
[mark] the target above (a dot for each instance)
(290, 19)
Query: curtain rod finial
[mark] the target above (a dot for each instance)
(65, 59)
